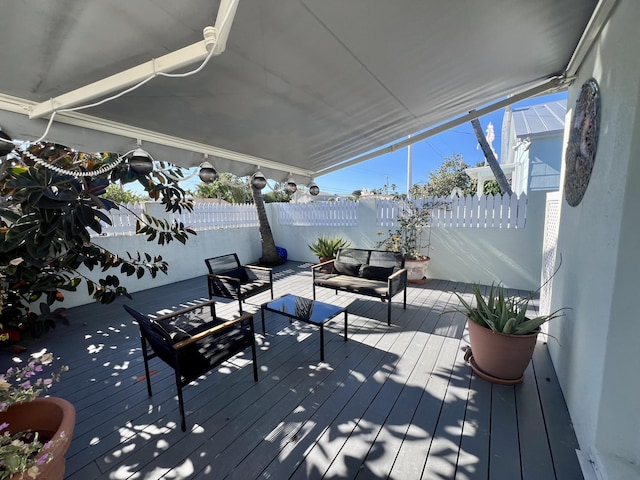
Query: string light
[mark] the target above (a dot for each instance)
(93, 173)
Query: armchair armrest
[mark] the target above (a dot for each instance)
(167, 316)
(214, 329)
(224, 277)
(263, 273)
(257, 267)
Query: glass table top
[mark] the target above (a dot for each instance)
(304, 309)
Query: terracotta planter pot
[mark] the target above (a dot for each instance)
(499, 357)
(416, 270)
(52, 418)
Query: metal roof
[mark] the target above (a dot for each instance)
(541, 119)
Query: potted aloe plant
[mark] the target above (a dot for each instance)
(501, 335)
(326, 248)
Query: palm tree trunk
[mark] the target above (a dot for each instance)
(491, 158)
(269, 253)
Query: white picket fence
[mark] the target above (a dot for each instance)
(487, 211)
(208, 216)
(327, 214)
(123, 221)
(205, 216)
(460, 212)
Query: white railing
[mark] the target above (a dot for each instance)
(487, 211)
(325, 214)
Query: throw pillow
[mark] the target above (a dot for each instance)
(375, 273)
(346, 268)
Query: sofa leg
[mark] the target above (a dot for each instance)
(389, 313)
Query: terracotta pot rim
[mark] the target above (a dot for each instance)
(526, 335)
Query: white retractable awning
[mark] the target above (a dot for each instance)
(302, 87)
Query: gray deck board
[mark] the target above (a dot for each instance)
(392, 402)
(562, 440)
(537, 463)
(504, 461)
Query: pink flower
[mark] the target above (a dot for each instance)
(4, 425)
(43, 458)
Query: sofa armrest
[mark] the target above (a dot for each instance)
(318, 266)
(397, 281)
(324, 267)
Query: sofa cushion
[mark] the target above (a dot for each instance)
(239, 273)
(351, 269)
(375, 273)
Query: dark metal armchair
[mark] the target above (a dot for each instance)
(229, 279)
(192, 343)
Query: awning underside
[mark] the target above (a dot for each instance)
(303, 84)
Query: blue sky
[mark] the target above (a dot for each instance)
(427, 155)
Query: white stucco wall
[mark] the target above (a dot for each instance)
(185, 261)
(509, 256)
(596, 352)
(512, 257)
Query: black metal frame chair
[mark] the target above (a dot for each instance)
(192, 342)
(229, 279)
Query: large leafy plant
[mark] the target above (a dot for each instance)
(47, 217)
(502, 313)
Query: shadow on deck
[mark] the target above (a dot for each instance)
(392, 402)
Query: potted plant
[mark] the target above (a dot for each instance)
(501, 336)
(35, 433)
(407, 239)
(326, 248)
(50, 201)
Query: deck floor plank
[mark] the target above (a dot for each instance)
(504, 448)
(562, 439)
(537, 463)
(392, 402)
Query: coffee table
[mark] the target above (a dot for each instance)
(305, 310)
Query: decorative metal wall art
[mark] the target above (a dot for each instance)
(583, 142)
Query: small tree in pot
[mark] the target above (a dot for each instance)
(406, 239)
(501, 335)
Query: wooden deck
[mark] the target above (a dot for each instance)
(392, 402)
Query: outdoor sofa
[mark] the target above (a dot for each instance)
(374, 273)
